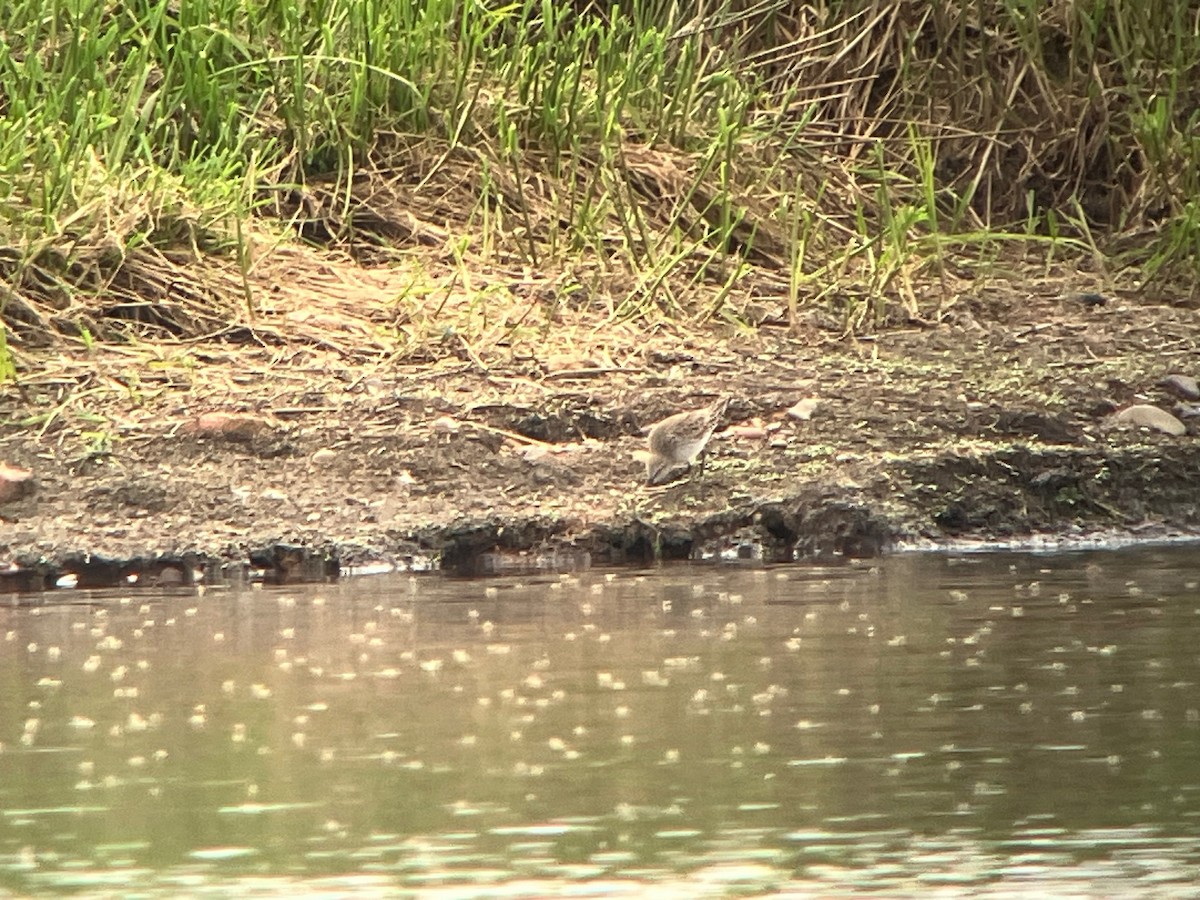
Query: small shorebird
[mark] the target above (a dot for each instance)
(679, 439)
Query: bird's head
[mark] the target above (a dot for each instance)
(657, 468)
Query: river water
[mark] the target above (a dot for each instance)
(991, 725)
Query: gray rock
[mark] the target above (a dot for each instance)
(1187, 410)
(1182, 386)
(1146, 416)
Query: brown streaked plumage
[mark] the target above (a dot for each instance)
(679, 439)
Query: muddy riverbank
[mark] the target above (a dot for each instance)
(994, 424)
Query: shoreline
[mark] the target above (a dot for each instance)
(303, 461)
(170, 571)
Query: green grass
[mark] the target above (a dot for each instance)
(853, 153)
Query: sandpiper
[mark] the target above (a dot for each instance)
(679, 439)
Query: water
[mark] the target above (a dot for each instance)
(987, 725)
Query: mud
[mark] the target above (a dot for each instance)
(992, 425)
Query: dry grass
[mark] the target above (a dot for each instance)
(871, 162)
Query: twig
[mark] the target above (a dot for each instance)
(592, 373)
(511, 435)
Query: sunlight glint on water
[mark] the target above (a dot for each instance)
(981, 724)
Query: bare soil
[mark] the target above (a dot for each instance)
(989, 425)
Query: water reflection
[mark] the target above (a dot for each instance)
(982, 724)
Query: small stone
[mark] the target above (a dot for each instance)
(1182, 386)
(804, 410)
(14, 483)
(1145, 416)
(446, 425)
(747, 432)
(169, 576)
(324, 455)
(534, 452)
(1187, 410)
(235, 426)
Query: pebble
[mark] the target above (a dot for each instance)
(238, 426)
(534, 452)
(1146, 416)
(14, 483)
(748, 432)
(1182, 386)
(804, 410)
